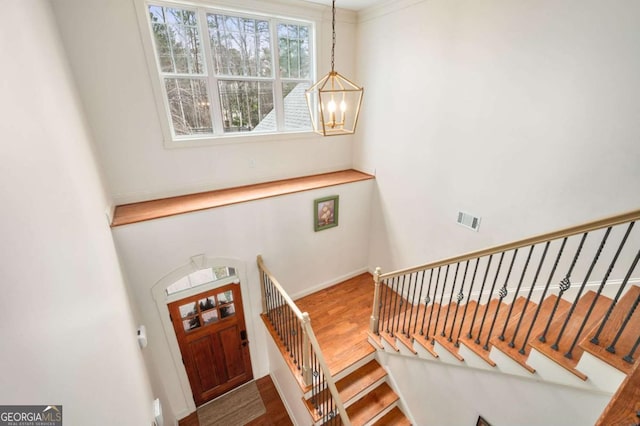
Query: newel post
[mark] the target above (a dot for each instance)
(375, 314)
(262, 285)
(306, 350)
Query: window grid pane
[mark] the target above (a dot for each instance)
(177, 40)
(240, 46)
(293, 43)
(247, 106)
(189, 106)
(242, 75)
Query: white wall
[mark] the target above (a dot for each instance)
(524, 113)
(103, 41)
(67, 332)
(279, 228)
(444, 395)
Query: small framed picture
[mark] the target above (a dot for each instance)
(482, 422)
(325, 213)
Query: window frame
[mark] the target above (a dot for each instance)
(275, 14)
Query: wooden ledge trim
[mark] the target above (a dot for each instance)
(148, 210)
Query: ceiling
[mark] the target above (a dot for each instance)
(349, 4)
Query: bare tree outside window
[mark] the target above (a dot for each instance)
(243, 80)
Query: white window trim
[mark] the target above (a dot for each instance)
(283, 10)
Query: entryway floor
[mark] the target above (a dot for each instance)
(276, 414)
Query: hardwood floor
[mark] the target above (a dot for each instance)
(276, 414)
(340, 319)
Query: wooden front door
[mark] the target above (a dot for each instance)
(213, 341)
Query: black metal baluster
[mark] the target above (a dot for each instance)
(267, 295)
(584, 283)
(404, 302)
(413, 303)
(596, 338)
(398, 303)
(444, 285)
(612, 347)
(435, 292)
(427, 300)
(314, 380)
(565, 284)
(279, 316)
(542, 297)
(391, 307)
(459, 298)
(453, 286)
(515, 294)
(569, 353)
(415, 326)
(526, 303)
(466, 306)
(502, 293)
(629, 357)
(384, 309)
(486, 310)
(484, 281)
(287, 328)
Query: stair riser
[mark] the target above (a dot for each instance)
(602, 375)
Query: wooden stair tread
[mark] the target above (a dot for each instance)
(471, 342)
(372, 404)
(350, 385)
(570, 332)
(394, 417)
(391, 340)
(426, 344)
(376, 338)
(627, 339)
(527, 318)
(625, 404)
(452, 347)
(407, 342)
(359, 380)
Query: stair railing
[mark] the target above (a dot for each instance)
(433, 300)
(294, 330)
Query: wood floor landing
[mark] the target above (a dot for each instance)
(340, 319)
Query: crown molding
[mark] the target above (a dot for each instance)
(385, 8)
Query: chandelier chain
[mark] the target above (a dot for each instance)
(333, 30)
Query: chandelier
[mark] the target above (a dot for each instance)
(334, 101)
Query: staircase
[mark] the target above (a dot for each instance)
(367, 396)
(511, 352)
(560, 308)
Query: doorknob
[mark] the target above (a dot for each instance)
(243, 335)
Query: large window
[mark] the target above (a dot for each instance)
(225, 73)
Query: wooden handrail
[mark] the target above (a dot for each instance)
(331, 384)
(284, 294)
(567, 232)
(311, 342)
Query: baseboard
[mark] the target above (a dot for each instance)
(280, 393)
(392, 382)
(329, 283)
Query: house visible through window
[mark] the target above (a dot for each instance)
(224, 73)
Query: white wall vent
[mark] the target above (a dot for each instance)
(469, 221)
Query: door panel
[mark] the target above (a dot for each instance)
(231, 344)
(212, 337)
(204, 361)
